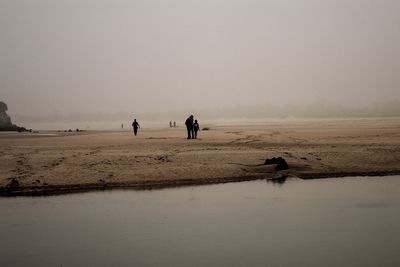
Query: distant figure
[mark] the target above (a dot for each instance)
(135, 126)
(122, 126)
(189, 127)
(170, 124)
(174, 124)
(196, 128)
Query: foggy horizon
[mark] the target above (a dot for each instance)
(233, 113)
(69, 57)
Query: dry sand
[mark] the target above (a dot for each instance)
(64, 162)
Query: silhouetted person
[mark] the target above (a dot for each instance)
(189, 127)
(174, 123)
(196, 128)
(170, 124)
(135, 126)
(122, 126)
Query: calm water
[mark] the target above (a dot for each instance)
(330, 222)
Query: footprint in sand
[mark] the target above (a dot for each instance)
(58, 162)
(163, 158)
(23, 169)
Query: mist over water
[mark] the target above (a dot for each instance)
(235, 115)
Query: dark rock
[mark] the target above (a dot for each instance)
(5, 120)
(280, 162)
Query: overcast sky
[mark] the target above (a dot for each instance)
(61, 56)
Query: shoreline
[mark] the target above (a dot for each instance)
(53, 190)
(43, 164)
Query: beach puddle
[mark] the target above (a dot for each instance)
(327, 222)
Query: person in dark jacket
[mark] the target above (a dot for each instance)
(196, 128)
(189, 127)
(135, 126)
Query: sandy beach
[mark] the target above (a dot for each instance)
(57, 162)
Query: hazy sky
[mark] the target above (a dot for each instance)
(59, 56)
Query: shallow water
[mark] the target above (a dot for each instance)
(328, 222)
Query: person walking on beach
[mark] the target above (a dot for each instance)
(189, 127)
(196, 128)
(135, 126)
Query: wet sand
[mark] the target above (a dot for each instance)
(53, 162)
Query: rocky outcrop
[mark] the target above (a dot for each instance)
(5, 120)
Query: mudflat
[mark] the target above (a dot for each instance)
(55, 162)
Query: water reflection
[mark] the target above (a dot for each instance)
(278, 179)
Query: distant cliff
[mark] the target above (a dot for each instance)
(5, 120)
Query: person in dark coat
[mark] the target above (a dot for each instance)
(189, 127)
(135, 126)
(196, 128)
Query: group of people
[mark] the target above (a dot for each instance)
(192, 127)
